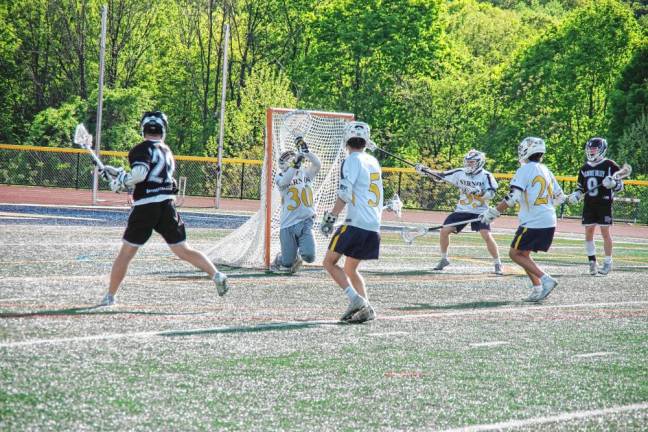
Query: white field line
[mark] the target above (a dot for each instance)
(270, 325)
(395, 333)
(575, 415)
(595, 354)
(488, 344)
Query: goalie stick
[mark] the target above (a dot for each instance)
(297, 123)
(409, 234)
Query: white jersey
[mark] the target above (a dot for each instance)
(538, 186)
(483, 180)
(362, 171)
(296, 196)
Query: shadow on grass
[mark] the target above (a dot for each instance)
(281, 326)
(458, 306)
(92, 310)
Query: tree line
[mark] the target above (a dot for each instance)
(434, 78)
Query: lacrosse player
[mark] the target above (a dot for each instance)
(154, 190)
(597, 184)
(536, 190)
(358, 239)
(297, 213)
(477, 187)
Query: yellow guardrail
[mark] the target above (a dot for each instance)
(210, 159)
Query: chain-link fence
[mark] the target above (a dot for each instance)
(72, 168)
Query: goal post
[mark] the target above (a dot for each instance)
(255, 243)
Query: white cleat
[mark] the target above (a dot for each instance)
(593, 268)
(365, 314)
(107, 300)
(607, 267)
(443, 263)
(536, 292)
(547, 286)
(221, 283)
(353, 308)
(297, 265)
(498, 270)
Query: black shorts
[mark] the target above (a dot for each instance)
(161, 217)
(356, 243)
(533, 239)
(597, 214)
(464, 216)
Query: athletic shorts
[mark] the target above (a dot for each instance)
(464, 216)
(356, 243)
(159, 216)
(533, 239)
(597, 214)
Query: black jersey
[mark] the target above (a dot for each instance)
(591, 175)
(159, 183)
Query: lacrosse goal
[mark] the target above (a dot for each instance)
(255, 243)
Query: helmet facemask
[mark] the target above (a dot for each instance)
(474, 161)
(595, 149)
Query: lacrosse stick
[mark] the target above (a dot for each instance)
(395, 205)
(297, 123)
(84, 140)
(373, 147)
(409, 234)
(624, 172)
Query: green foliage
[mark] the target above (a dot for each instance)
(558, 87)
(245, 123)
(632, 147)
(54, 127)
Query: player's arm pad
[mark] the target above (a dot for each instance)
(315, 165)
(137, 175)
(283, 180)
(513, 196)
(345, 191)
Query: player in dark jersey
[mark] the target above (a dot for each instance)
(597, 185)
(154, 189)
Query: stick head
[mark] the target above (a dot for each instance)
(395, 205)
(409, 234)
(297, 123)
(82, 138)
(624, 172)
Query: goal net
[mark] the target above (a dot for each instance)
(255, 243)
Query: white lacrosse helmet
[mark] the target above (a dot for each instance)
(474, 161)
(286, 159)
(595, 149)
(530, 146)
(154, 122)
(357, 129)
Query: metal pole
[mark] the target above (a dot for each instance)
(219, 168)
(102, 51)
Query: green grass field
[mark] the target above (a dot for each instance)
(451, 350)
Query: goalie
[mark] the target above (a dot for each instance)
(477, 187)
(297, 213)
(151, 178)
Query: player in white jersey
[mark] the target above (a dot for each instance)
(296, 221)
(477, 187)
(536, 190)
(358, 239)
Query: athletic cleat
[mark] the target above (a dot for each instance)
(221, 283)
(365, 314)
(443, 263)
(107, 300)
(607, 267)
(536, 292)
(547, 287)
(296, 265)
(352, 309)
(498, 269)
(593, 268)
